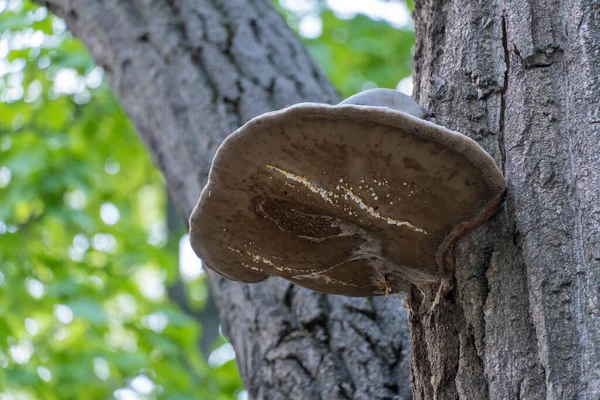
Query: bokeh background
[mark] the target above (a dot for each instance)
(100, 294)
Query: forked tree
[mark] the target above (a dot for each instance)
(520, 317)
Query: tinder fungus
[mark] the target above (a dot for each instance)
(359, 199)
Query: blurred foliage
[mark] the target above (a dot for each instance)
(359, 54)
(356, 53)
(85, 256)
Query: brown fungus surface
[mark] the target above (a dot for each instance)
(346, 199)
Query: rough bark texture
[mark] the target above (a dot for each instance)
(520, 319)
(188, 73)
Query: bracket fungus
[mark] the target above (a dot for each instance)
(358, 199)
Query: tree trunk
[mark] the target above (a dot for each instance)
(521, 316)
(188, 73)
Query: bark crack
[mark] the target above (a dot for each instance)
(503, 90)
(579, 250)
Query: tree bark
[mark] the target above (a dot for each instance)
(521, 316)
(188, 73)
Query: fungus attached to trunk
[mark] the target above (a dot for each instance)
(359, 200)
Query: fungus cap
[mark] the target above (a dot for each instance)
(390, 98)
(347, 199)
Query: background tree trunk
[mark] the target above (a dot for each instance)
(520, 319)
(188, 73)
